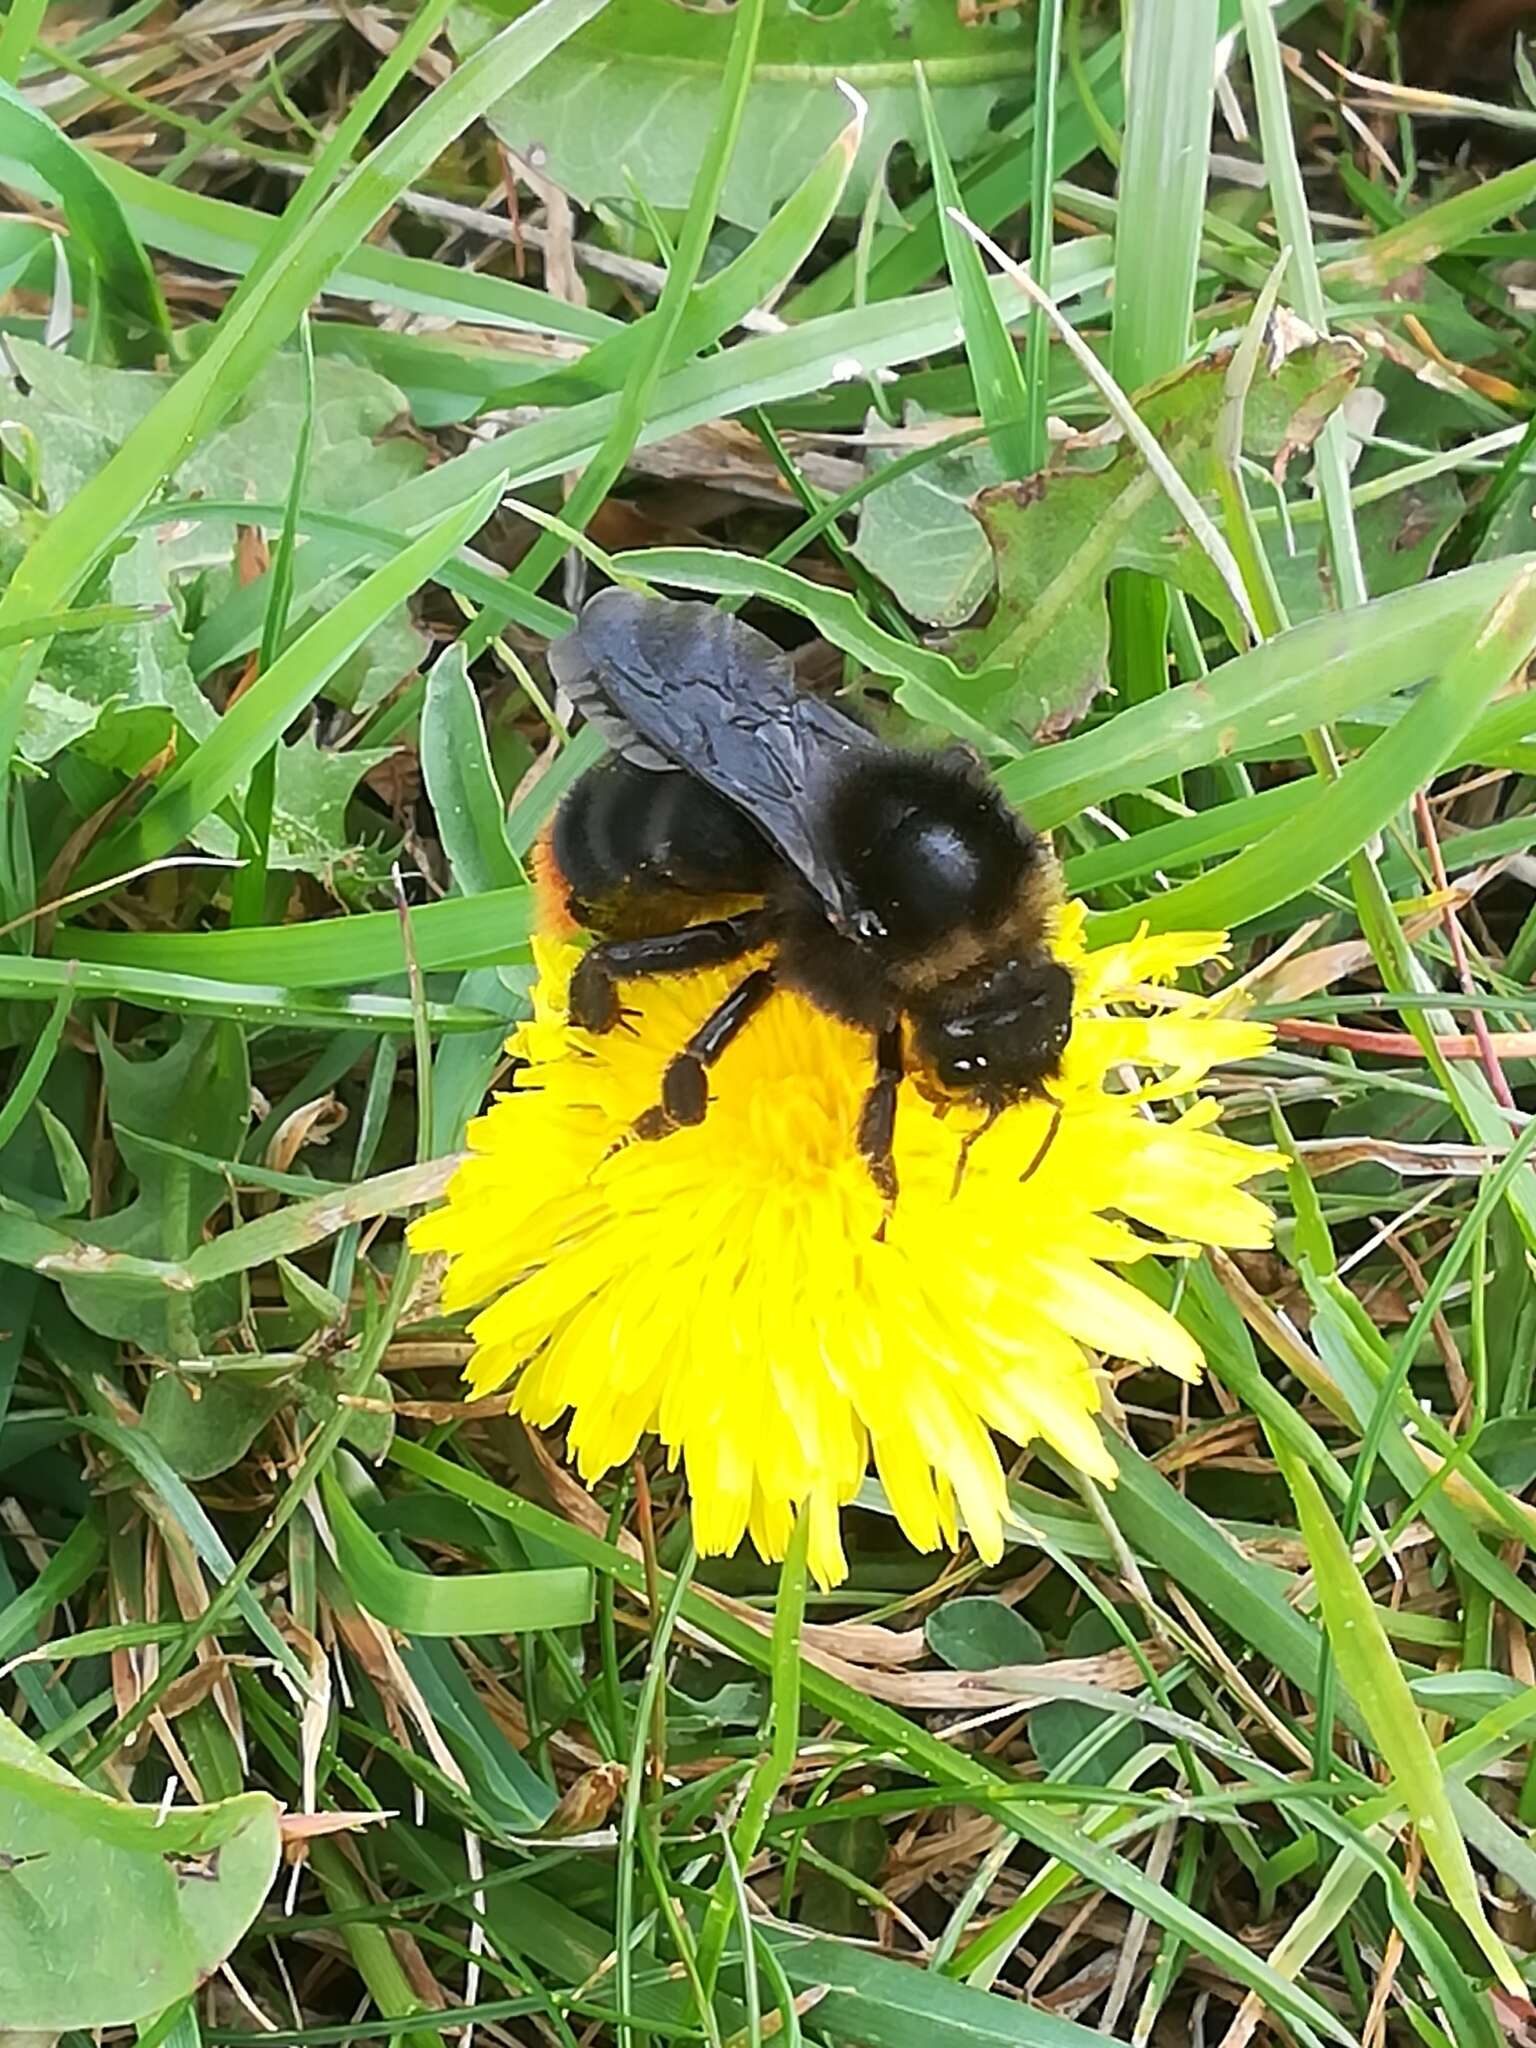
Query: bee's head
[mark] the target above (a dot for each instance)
(997, 1035)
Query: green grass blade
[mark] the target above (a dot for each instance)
(465, 1604)
(1162, 185)
(137, 322)
(1373, 1676)
(1042, 226)
(256, 722)
(1345, 814)
(249, 894)
(1002, 397)
(252, 327)
(24, 1089)
(1435, 229)
(34, 980)
(22, 22)
(761, 371)
(661, 331)
(458, 933)
(60, 1578)
(1303, 284)
(1317, 671)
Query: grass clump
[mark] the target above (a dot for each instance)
(345, 356)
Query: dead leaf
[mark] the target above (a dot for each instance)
(313, 1123)
(587, 1803)
(298, 1828)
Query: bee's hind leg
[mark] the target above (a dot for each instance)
(594, 996)
(877, 1119)
(685, 1082)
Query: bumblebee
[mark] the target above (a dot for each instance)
(896, 890)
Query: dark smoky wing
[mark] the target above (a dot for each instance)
(686, 686)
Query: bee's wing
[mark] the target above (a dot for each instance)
(684, 686)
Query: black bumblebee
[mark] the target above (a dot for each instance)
(892, 886)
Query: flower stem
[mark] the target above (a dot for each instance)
(631, 1819)
(777, 1761)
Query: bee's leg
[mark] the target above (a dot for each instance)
(594, 997)
(877, 1119)
(963, 1158)
(1047, 1141)
(685, 1083)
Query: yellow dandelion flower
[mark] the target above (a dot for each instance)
(729, 1288)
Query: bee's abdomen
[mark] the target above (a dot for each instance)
(638, 851)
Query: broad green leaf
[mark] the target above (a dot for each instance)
(1400, 538)
(108, 690)
(456, 765)
(1058, 537)
(920, 537)
(53, 720)
(980, 1633)
(198, 1092)
(309, 829)
(206, 1424)
(593, 107)
(1058, 1727)
(82, 413)
(111, 1913)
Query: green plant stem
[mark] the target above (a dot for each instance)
(632, 1818)
(372, 1954)
(776, 1763)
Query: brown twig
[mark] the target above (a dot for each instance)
(1402, 1045)
(1458, 945)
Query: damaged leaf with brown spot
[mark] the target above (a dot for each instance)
(110, 1912)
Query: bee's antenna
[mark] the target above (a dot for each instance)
(964, 1157)
(1046, 1142)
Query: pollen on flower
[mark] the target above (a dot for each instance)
(730, 1289)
